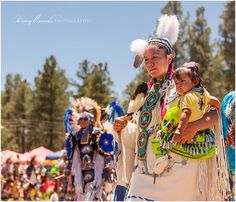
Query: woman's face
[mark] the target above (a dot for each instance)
(156, 61)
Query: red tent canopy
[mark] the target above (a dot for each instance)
(9, 154)
(40, 153)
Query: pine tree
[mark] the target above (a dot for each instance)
(199, 33)
(227, 44)
(8, 140)
(200, 48)
(50, 102)
(142, 76)
(16, 110)
(218, 85)
(22, 112)
(180, 47)
(95, 82)
(7, 94)
(22, 100)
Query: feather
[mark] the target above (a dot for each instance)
(77, 173)
(114, 110)
(161, 27)
(67, 116)
(142, 88)
(138, 98)
(136, 104)
(98, 168)
(138, 46)
(230, 110)
(138, 61)
(69, 145)
(168, 27)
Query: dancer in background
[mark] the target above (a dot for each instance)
(89, 147)
(228, 121)
(112, 111)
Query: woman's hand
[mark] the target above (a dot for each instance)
(207, 121)
(188, 134)
(119, 123)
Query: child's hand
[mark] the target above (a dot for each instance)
(177, 136)
(158, 134)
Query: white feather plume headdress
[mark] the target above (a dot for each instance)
(137, 46)
(166, 34)
(168, 28)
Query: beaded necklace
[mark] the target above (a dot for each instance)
(153, 97)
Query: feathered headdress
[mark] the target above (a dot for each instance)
(85, 104)
(114, 110)
(166, 35)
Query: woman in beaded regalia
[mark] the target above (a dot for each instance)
(169, 173)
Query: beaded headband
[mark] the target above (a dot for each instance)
(166, 35)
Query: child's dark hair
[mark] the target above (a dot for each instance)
(192, 69)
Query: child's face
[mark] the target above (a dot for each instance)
(183, 84)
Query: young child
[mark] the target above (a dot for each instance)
(189, 105)
(193, 98)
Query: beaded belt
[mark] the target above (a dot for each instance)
(202, 146)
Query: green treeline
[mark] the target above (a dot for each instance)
(32, 116)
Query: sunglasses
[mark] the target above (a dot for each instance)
(84, 119)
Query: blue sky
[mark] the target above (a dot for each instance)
(103, 36)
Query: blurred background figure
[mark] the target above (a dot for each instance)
(89, 147)
(112, 111)
(228, 121)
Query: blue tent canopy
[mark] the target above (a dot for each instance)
(55, 155)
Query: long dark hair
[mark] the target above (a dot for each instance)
(192, 69)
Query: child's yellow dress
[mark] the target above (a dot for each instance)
(203, 144)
